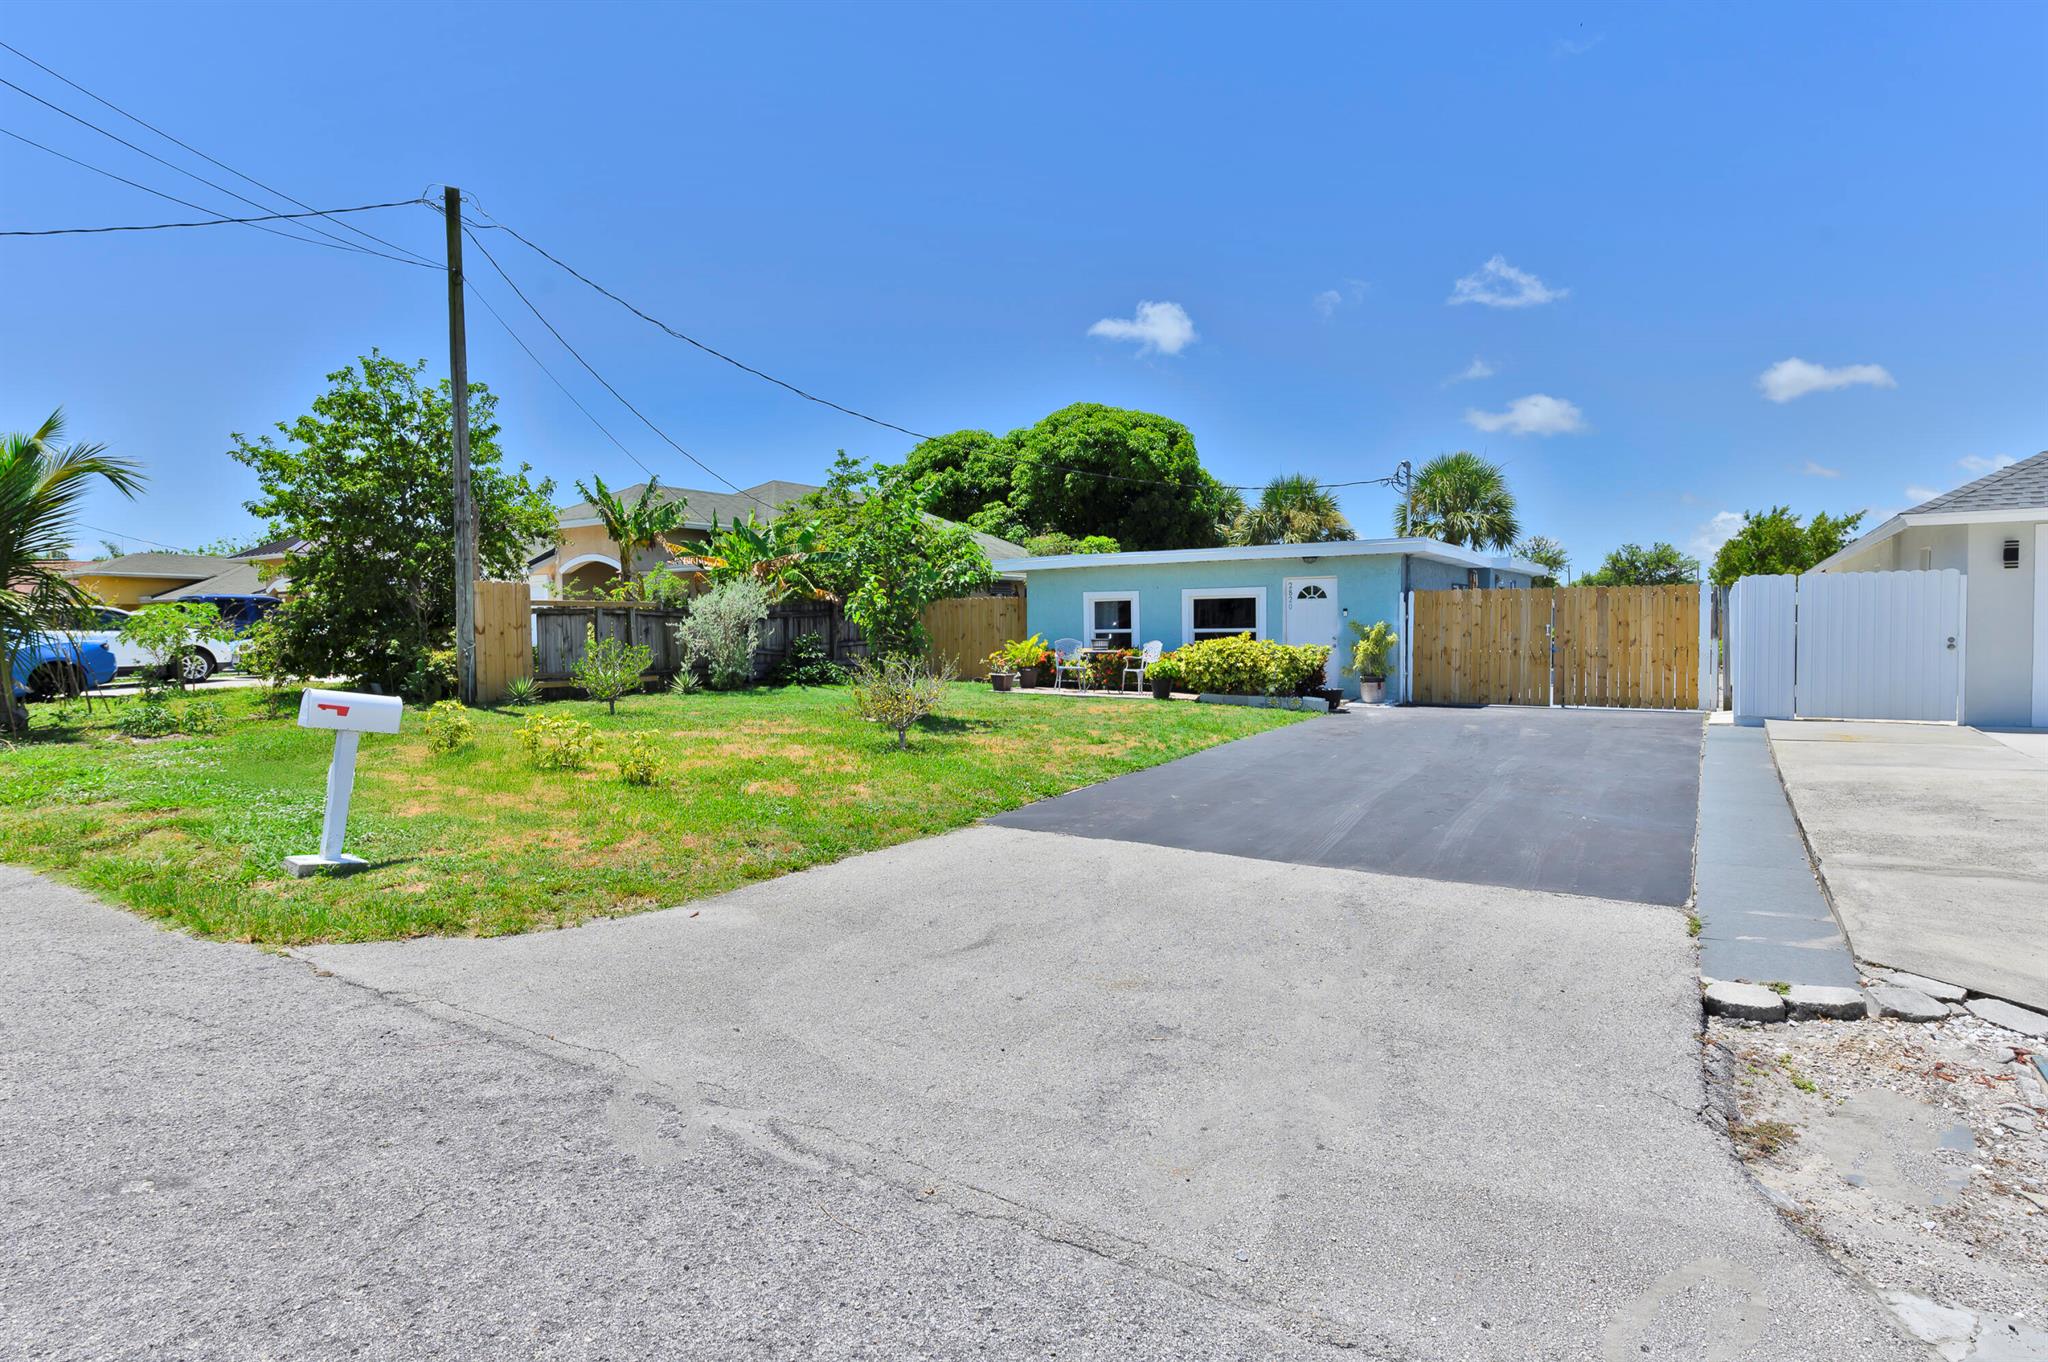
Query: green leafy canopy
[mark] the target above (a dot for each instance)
(1774, 541)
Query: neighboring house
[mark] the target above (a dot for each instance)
(256, 572)
(1995, 532)
(135, 579)
(1292, 593)
(584, 559)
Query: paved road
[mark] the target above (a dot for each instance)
(1933, 841)
(1397, 1116)
(1597, 802)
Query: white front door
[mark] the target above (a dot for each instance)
(1312, 618)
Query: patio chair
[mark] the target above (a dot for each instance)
(1142, 663)
(1068, 661)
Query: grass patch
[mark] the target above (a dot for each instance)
(748, 785)
(1761, 1139)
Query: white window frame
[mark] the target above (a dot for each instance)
(1190, 595)
(1088, 600)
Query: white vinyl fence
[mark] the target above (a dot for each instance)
(1848, 645)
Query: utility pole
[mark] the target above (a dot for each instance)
(1408, 493)
(465, 501)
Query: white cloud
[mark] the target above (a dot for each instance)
(1329, 300)
(1917, 493)
(1790, 378)
(1478, 368)
(1536, 414)
(1499, 284)
(1978, 464)
(1814, 470)
(1575, 47)
(1164, 327)
(1707, 539)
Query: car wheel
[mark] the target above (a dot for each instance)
(195, 667)
(51, 680)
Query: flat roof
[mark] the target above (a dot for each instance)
(1343, 548)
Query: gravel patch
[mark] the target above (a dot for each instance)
(1915, 1152)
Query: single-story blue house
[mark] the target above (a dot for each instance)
(1292, 593)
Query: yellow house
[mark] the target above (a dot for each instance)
(134, 579)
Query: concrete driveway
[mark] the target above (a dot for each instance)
(1933, 843)
(1360, 1112)
(1582, 801)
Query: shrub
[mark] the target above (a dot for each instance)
(171, 630)
(639, 758)
(1022, 652)
(522, 690)
(1372, 645)
(898, 691)
(1243, 665)
(147, 717)
(808, 663)
(449, 728)
(1167, 670)
(557, 744)
(722, 630)
(200, 717)
(609, 668)
(433, 677)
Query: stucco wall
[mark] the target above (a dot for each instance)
(1368, 589)
(128, 592)
(1998, 668)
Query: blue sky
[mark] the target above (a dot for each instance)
(924, 211)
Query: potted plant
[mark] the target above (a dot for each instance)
(1372, 644)
(1023, 656)
(1001, 674)
(1164, 676)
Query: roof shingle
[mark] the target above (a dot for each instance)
(2017, 487)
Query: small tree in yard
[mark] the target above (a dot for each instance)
(898, 691)
(899, 559)
(170, 632)
(609, 668)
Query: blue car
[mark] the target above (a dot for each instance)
(49, 668)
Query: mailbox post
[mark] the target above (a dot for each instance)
(349, 715)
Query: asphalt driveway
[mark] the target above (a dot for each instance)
(1933, 843)
(1595, 802)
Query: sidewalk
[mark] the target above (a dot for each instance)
(1764, 919)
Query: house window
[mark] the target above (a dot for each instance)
(1109, 619)
(1927, 560)
(1222, 612)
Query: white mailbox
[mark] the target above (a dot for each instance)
(349, 711)
(350, 715)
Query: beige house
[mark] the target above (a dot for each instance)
(585, 559)
(138, 579)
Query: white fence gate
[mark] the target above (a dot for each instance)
(1849, 645)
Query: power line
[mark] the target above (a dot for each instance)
(101, 529)
(479, 295)
(209, 222)
(691, 340)
(368, 236)
(602, 380)
(329, 238)
(196, 207)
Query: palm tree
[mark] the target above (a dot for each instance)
(1291, 510)
(636, 525)
(42, 484)
(1459, 499)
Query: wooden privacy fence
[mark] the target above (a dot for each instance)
(1627, 646)
(965, 630)
(504, 637)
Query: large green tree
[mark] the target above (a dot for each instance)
(42, 486)
(1634, 565)
(363, 479)
(1460, 499)
(1774, 541)
(1084, 470)
(1295, 509)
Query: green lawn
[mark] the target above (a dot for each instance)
(193, 830)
